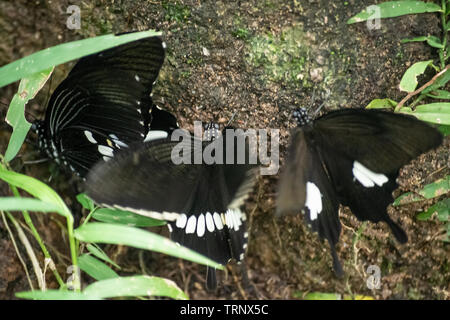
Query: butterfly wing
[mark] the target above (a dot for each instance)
(363, 151)
(194, 198)
(305, 185)
(103, 105)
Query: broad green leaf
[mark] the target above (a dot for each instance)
(95, 268)
(119, 234)
(394, 9)
(442, 208)
(55, 295)
(28, 88)
(429, 191)
(29, 204)
(37, 189)
(99, 253)
(381, 104)
(432, 41)
(62, 53)
(409, 79)
(438, 112)
(135, 286)
(439, 94)
(85, 201)
(125, 217)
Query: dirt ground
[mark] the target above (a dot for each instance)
(257, 59)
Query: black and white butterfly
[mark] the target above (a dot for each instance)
(200, 201)
(104, 105)
(350, 157)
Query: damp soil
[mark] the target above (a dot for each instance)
(256, 61)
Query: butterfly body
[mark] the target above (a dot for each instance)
(349, 157)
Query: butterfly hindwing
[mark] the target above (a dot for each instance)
(364, 151)
(308, 187)
(195, 199)
(351, 157)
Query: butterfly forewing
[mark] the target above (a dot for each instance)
(104, 105)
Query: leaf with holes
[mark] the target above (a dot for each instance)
(28, 88)
(429, 191)
(409, 79)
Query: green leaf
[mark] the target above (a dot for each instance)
(29, 204)
(118, 234)
(99, 253)
(135, 286)
(438, 83)
(381, 104)
(125, 217)
(394, 9)
(442, 208)
(438, 112)
(432, 41)
(37, 189)
(95, 268)
(28, 88)
(55, 295)
(85, 201)
(439, 94)
(445, 130)
(409, 79)
(429, 191)
(62, 53)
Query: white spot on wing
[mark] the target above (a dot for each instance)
(367, 177)
(201, 225)
(155, 135)
(190, 227)
(313, 200)
(209, 222)
(181, 221)
(89, 136)
(217, 221)
(106, 151)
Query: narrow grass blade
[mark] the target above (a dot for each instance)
(135, 286)
(62, 53)
(28, 204)
(37, 189)
(100, 254)
(125, 217)
(95, 268)
(118, 234)
(55, 295)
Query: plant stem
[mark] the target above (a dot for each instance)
(36, 235)
(443, 56)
